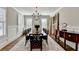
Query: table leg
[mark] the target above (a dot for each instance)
(76, 47)
(65, 43)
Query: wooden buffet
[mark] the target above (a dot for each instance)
(70, 36)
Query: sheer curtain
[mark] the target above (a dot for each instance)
(2, 25)
(28, 23)
(2, 22)
(44, 23)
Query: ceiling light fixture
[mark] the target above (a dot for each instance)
(36, 14)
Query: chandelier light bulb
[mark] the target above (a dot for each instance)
(36, 14)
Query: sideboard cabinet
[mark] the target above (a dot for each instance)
(70, 36)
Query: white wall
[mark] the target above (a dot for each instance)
(20, 23)
(11, 22)
(15, 22)
(14, 25)
(70, 15)
(11, 16)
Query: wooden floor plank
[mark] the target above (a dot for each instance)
(12, 44)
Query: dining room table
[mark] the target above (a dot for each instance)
(44, 36)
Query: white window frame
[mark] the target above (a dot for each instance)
(43, 20)
(4, 23)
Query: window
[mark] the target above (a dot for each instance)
(29, 23)
(2, 22)
(1, 29)
(44, 22)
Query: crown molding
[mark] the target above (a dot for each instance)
(55, 12)
(18, 10)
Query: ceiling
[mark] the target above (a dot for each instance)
(41, 10)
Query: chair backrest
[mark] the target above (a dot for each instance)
(45, 30)
(26, 31)
(27, 37)
(45, 37)
(35, 37)
(35, 41)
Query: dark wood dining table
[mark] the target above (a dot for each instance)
(44, 36)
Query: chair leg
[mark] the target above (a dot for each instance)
(47, 42)
(41, 49)
(25, 42)
(41, 46)
(30, 49)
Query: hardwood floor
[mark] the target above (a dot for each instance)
(18, 45)
(12, 44)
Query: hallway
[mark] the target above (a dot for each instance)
(55, 22)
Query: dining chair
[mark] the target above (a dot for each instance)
(35, 41)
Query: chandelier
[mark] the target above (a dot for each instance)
(36, 14)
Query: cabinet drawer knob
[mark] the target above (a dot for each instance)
(69, 35)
